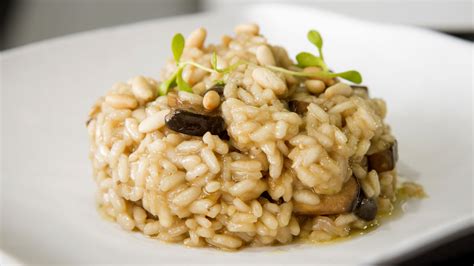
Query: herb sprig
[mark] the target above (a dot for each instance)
(177, 47)
(304, 59)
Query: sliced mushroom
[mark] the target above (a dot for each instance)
(195, 123)
(384, 160)
(366, 209)
(298, 107)
(342, 202)
(193, 119)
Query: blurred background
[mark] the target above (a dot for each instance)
(27, 21)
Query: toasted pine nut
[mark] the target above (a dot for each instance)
(251, 29)
(211, 100)
(315, 86)
(196, 38)
(225, 40)
(265, 56)
(141, 88)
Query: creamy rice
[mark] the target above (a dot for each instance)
(254, 188)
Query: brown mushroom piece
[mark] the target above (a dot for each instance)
(194, 120)
(342, 202)
(298, 107)
(366, 209)
(384, 160)
(195, 123)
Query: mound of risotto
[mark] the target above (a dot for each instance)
(238, 145)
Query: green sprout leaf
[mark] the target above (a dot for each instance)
(351, 75)
(177, 46)
(233, 67)
(182, 84)
(315, 38)
(214, 61)
(167, 84)
(306, 59)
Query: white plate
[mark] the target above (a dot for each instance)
(48, 211)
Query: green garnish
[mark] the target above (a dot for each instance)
(177, 46)
(304, 59)
(214, 61)
(315, 38)
(167, 84)
(350, 75)
(227, 69)
(182, 85)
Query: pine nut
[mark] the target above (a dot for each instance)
(251, 29)
(265, 56)
(211, 100)
(196, 38)
(315, 86)
(141, 88)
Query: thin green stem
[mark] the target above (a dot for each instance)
(183, 64)
(324, 66)
(300, 73)
(320, 50)
(232, 67)
(322, 74)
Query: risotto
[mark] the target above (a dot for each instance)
(240, 146)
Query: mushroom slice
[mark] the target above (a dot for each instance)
(342, 202)
(366, 209)
(384, 160)
(298, 107)
(195, 123)
(194, 120)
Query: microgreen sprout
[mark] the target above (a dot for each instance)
(304, 59)
(182, 85)
(177, 47)
(214, 61)
(315, 38)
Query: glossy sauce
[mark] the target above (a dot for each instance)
(401, 197)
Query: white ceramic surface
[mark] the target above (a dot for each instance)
(48, 213)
